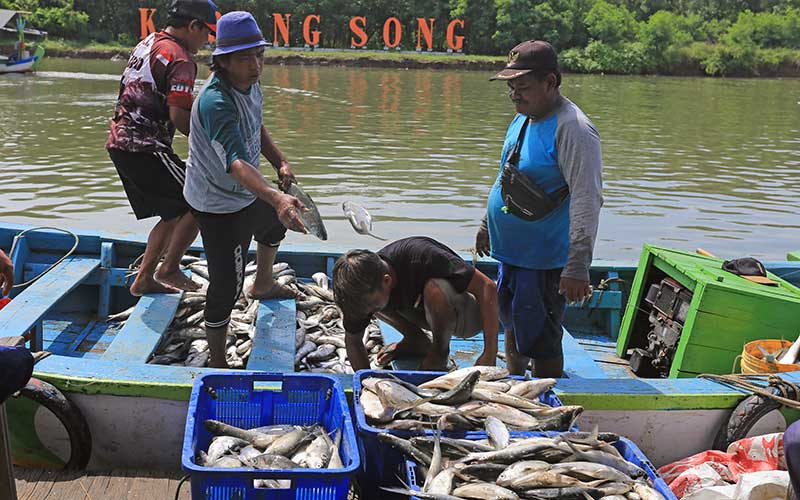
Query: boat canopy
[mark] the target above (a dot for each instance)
(6, 16)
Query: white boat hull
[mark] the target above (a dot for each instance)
(23, 66)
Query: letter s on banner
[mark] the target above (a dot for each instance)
(311, 37)
(455, 42)
(357, 26)
(398, 32)
(146, 25)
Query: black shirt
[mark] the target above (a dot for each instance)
(416, 260)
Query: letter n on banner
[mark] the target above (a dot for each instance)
(146, 25)
(311, 37)
(398, 32)
(425, 30)
(281, 25)
(357, 25)
(454, 42)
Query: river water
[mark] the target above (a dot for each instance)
(689, 162)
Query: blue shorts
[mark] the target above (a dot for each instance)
(531, 305)
(16, 368)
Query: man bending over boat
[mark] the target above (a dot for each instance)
(415, 284)
(155, 98)
(231, 200)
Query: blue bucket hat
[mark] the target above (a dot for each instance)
(236, 31)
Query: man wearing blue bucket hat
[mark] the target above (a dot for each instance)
(231, 200)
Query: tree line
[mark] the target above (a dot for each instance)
(717, 37)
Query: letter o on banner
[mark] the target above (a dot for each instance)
(398, 32)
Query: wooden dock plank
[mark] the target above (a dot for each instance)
(142, 331)
(273, 343)
(34, 302)
(34, 484)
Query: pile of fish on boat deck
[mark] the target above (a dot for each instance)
(319, 334)
(570, 465)
(462, 400)
(273, 447)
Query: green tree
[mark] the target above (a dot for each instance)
(610, 24)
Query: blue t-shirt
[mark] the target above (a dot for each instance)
(562, 149)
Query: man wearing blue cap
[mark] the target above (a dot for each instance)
(155, 98)
(231, 200)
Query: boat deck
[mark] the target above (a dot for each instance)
(37, 484)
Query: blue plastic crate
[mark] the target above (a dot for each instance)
(383, 465)
(626, 447)
(253, 399)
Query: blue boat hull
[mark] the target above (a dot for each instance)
(102, 368)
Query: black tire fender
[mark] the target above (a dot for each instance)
(70, 416)
(742, 419)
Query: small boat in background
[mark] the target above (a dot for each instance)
(21, 60)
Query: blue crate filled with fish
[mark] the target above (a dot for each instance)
(258, 435)
(574, 465)
(458, 402)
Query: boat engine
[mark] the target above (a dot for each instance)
(669, 303)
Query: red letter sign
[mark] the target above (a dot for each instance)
(212, 38)
(425, 30)
(455, 42)
(357, 26)
(282, 25)
(146, 22)
(398, 33)
(311, 37)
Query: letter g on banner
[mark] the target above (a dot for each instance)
(454, 42)
(311, 37)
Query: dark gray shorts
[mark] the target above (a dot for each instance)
(531, 305)
(467, 321)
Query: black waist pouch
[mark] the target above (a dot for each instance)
(523, 198)
(521, 195)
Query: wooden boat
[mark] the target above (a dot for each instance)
(136, 411)
(22, 60)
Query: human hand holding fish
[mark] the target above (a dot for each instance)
(287, 207)
(285, 176)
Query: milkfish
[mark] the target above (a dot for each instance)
(311, 218)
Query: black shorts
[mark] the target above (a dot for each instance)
(226, 240)
(153, 183)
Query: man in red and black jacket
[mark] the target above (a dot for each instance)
(16, 362)
(155, 98)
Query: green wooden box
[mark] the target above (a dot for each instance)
(726, 311)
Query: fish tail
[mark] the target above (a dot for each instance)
(377, 237)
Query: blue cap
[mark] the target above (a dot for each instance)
(236, 31)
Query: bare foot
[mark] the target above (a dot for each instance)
(276, 291)
(177, 279)
(146, 285)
